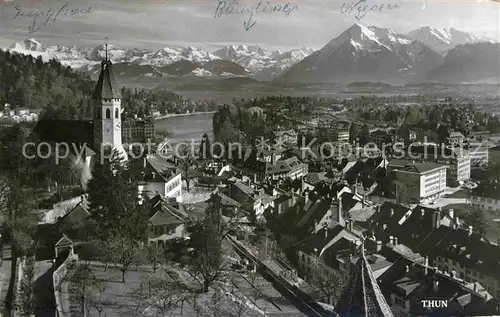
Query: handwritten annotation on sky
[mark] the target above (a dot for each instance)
(39, 19)
(225, 8)
(361, 8)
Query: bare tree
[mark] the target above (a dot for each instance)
(139, 297)
(328, 284)
(208, 264)
(154, 255)
(165, 295)
(125, 252)
(238, 305)
(186, 162)
(215, 305)
(82, 280)
(101, 303)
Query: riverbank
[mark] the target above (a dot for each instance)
(171, 115)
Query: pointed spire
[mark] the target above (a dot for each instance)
(106, 87)
(363, 296)
(106, 50)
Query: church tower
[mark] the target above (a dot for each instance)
(107, 111)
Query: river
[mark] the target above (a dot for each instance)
(186, 128)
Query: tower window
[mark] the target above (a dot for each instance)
(117, 114)
(108, 114)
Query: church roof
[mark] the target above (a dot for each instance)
(106, 87)
(75, 133)
(363, 296)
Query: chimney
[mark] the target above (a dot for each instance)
(379, 246)
(451, 213)
(422, 213)
(469, 232)
(407, 269)
(435, 219)
(391, 239)
(306, 196)
(395, 240)
(145, 162)
(392, 212)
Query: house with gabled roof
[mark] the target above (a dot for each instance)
(250, 198)
(160, 177)
(168, 220)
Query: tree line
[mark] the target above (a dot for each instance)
(62, 93)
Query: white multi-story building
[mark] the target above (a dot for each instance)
(421, 181)
(457, 160)
(486, 196)
(478, 153)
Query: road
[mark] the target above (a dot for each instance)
(301, 300)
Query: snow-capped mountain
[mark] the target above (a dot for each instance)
(176, 61)
(67, 56)
(469, 63)
(263, 64)
(442, 40)
(252, 57)
(365, 54)
(28, 45)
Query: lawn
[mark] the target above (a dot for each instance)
(108, 296)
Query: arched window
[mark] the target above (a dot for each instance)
(117, 114)
(108, 114)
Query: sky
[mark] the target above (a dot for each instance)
(153, 24)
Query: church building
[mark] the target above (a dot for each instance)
(99, 138)
(88, 138)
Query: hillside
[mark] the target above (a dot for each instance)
(27, 82)
(62, 93)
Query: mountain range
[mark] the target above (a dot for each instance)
(374, 54)
(359, 53)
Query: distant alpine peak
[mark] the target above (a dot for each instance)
(442, 39)
(29, 44)
(362, 37)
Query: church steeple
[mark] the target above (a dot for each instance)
(106, 87)
(107, 109)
